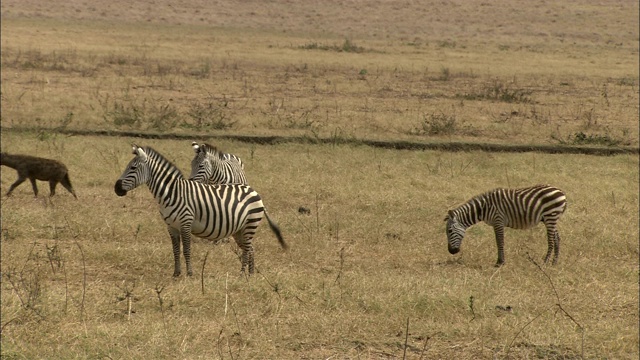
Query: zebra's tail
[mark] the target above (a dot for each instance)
(276, 230)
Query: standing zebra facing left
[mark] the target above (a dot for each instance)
(208, 211)
(514, 208)
(212, 166)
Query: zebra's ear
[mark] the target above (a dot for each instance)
(449, 215)
(195, 146)
(139, 152)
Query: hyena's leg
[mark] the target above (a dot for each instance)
(18, 182)
(34, 186)
(52, 187)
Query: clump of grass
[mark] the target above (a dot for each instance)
(146, 114)
(347, 46)
(439, 124)
(445, 74)
(203, 71)
(209, 115)
(499, 91)
(627, 81)
(447, 44)
(581, 138)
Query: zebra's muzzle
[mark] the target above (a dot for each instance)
(453, 250)
(118, 189)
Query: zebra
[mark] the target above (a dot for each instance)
(188, 207)
(211, 166)
(515, 208)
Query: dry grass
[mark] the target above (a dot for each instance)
(558, 80)
(92, 278)
(371, 254)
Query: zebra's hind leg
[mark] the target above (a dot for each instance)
(175, 241)
(244, 243)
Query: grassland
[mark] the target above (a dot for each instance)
(368, 275)
(555, 81)
(371, 255)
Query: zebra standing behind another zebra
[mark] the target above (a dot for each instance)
(208, 211)
(514, 208)
(211, 166)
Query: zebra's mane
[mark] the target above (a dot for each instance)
(213, 150)
(160, 158)
(475, 199)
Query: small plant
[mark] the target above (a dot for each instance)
(437, 124)
(498, 91)
(162, 117)
(447, 44)
(203, 71)
(581, 138)
(210, 115)
(123, 114)
(66, 120)
(628, 81)
(347, 46)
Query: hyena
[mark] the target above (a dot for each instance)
(35, 168)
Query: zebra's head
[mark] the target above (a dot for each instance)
(200, 165)
(134, 174)
(455, 232)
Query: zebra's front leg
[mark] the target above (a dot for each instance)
(498, 228)
(556, 249)
(175, 241)
(553, 242)
(186, 246)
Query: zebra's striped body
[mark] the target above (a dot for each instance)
(187, 207)
(211, 166)
(514, 208)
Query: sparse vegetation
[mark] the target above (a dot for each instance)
(581, 138)
(347, 46)
(211, 115)
(355, 270)
(368, 275)
(499, 91)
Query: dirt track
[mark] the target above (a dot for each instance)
(398, 145)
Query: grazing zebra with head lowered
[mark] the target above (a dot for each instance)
(188, 207)
(515, 208)
(211, 166)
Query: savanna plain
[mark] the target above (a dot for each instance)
(367, 275)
